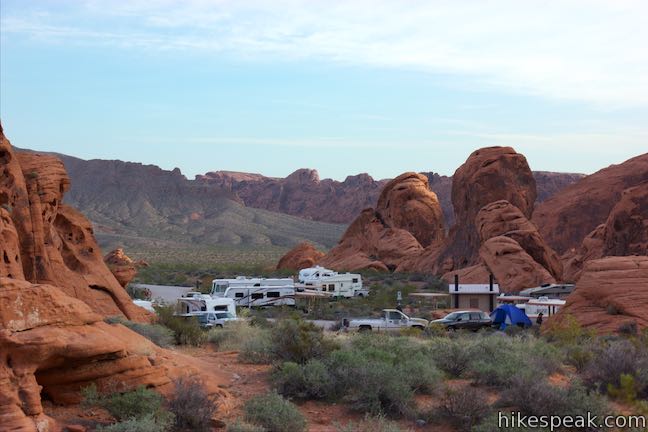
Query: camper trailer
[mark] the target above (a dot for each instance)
(195, 303)
(262, 296)
(219, 286)
(332, 283)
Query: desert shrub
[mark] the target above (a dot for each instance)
(274, 413)
(240, 426)
(537, 397)
(452, 356)
(464, 407)
(148, 423)
(192, 406)
(578, 356)
(296, 340)
(498, 360)
(187, 330)
(613, 359)
(567, 332)
(370, 424)
(160, 335)
(252, 342)
(127, 405)
(139, 410)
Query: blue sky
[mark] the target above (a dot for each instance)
(342, 87)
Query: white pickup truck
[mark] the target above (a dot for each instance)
(391, 320)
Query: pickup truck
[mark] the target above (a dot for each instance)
(391, 320)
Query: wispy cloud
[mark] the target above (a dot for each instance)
(583, 50)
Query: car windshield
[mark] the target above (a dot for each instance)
(453, 316)
(202, 319)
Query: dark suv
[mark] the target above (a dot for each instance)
(470, 320)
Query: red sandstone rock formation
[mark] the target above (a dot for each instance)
(55, 291)
(568, 217)
(408, 215)
(122, 267)
(611, 292)
(369, 243)
(625, 232)
(302, 256)
(490, 174)
(501, 218)
(513, 268)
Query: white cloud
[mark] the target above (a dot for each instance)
(582, 50)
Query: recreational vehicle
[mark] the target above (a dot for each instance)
(195, 303)
(262, 296)
(219, 286)
(333, 283)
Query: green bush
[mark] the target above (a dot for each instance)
(274, 413)
(240, 426)
(296, 340)
(160, 335)
(452, 356)
(139, 410)
(192, 406)
(613, 359)
(186, 330)
(252, 342)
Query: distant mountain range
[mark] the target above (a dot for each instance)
(138, 205)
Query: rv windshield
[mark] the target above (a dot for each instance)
(218, 288)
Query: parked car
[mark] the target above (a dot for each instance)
(215, 319)
(391, 320)
(469, 320)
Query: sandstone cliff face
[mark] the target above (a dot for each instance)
(490, 174)
(611, 291)
(122, 267)
(408, 216)
(625, 232)
(302, 256)
(55, 291)
(568, 217)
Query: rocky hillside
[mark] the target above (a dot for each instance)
(132, 203)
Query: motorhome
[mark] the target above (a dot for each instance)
(195, 303)
(333, 283)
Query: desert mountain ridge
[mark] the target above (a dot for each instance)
(134, 202)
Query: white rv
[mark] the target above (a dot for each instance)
(333, 283)
(195, 303)
(250, 292)
(219, 286)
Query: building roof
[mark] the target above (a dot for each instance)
(473, 289)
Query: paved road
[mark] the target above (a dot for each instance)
(167, 293)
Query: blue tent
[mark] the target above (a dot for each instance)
(506, 315)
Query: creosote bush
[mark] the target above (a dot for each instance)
(296, 340)
(274, 414)
(464, 407)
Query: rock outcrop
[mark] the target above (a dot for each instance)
(611, 292)
(625, 232)
(370, 243)
(490, 174)
(302, 256)
(513, 268)
(408, 215)
(565, 219)
(501, 218)
(122, 267)
(55, 292)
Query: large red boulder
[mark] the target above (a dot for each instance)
(122, 266)
(304, 255)
(501, 218)
(611, 292)
(513, 268)
(489, 174)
